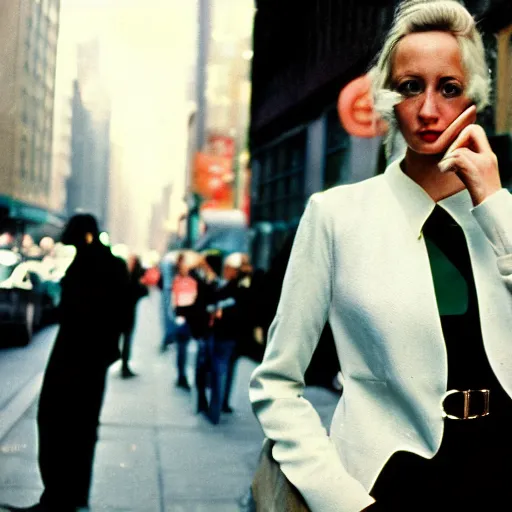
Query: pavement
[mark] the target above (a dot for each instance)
(154, 453)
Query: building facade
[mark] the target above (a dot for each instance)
(65, 76)
(218, 143)
(304, 54)
(88, 183)
(159, 225)
(61, 148)
(28, 37)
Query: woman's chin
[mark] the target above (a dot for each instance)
(428, 149)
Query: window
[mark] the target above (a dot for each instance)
(24, 106)
(280, 209)
(48, 102)
(333, 167)
(23, 156)
(45, 177)
(48, 123)
(53, 14)
(280, 187)
(281, 163)
(297, 155)
(39, 165)
(267, 167)
(337, 143)
(43, 26)
(32, 160)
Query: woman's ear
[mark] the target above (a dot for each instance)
(88, 238)
(356, 111)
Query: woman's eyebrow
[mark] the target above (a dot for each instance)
(449, 78)
(407, 75)
(400, 78)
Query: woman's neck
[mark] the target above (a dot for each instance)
(424, 171)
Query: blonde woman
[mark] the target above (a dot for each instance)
(413, 271)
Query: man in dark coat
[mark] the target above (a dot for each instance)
(92, 314)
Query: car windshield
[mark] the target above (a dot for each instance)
(5, 272)
(8, 262)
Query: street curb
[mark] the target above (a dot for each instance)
(19, 404)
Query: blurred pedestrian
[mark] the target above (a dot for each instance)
(225, 319)
(152, 277)
(244, 323)
(206, 273)
(137, 291)
(92, 315)
(183, 297)
(167, 271)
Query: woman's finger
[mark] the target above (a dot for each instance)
(447, 164)
(461, 163)
(467, 117)
(458, 152)
(473, 137)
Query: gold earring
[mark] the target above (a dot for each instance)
(88, 238)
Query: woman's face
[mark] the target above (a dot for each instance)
(427, 70)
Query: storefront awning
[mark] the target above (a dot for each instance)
(22, 211)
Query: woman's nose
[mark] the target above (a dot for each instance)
(429, 112)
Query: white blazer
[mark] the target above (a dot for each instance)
(359, 260)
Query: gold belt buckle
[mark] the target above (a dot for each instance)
(467, 394)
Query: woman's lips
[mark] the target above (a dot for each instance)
(429, 136)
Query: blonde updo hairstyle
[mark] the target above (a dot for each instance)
(423, 16)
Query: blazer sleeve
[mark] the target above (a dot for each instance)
(302, 447)
(495, 218)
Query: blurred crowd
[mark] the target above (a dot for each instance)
(227, 307)
(211, 299)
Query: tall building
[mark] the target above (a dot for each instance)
(119, 205)
(61, 152)
(88, 183)
(28, 38)
(159, 225)
(218, 147)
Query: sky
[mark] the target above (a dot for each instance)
(148, 53)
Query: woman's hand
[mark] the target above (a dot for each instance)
(449, 136)
(471, 157)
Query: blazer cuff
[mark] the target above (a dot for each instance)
(494, 215)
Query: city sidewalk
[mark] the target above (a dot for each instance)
(155, 454)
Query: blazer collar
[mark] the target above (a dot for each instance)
(418, 205)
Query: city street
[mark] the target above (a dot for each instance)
(154, 453)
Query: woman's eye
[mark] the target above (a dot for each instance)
(451, 90)
(409, 88)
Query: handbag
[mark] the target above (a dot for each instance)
(271, 490)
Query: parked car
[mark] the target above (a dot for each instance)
(26, 301)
